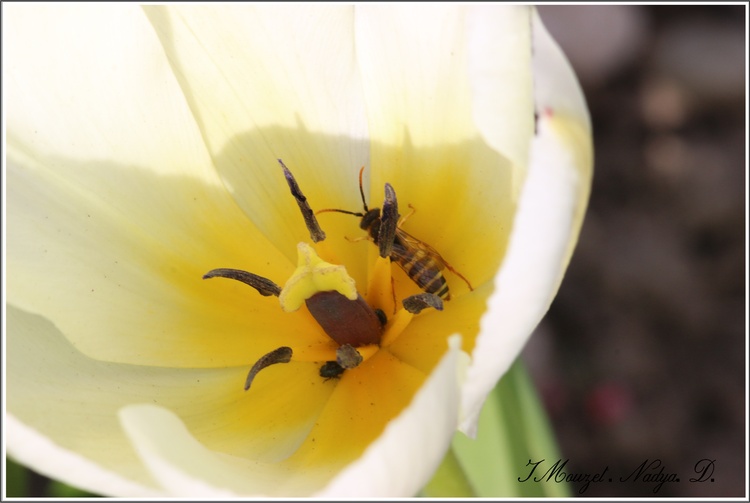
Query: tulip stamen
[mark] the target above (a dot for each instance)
(316, 233)
(279, 355)
(416, 303)
(348, 357)
(265, 286)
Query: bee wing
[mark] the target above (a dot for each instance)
(411, 246)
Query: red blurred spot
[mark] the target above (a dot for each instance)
(608, 404)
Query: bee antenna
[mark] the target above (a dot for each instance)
(355, 213)
(361, 191)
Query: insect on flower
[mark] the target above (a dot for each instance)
(421, 262)
(339, 309)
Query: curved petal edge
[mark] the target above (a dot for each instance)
(550, 213)
(30, 448)
(387, 469)
(183, 466)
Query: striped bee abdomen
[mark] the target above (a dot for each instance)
(422, 268)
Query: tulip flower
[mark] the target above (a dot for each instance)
(143, 148)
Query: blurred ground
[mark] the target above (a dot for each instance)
(642, 355)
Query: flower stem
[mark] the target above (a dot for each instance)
(449, 481)
(513, 430)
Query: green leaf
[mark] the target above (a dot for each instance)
(61, 490)
(16, 479)
(513, 431)
(21, 482)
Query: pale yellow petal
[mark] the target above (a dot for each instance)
(181, 464)
(430, 71)
(91, 83)
(81, 398)
(115, 211)
(397, 463)
(114, 256)
(269, 82)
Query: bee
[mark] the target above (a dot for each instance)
(421, 262)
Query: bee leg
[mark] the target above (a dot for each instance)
(388, 222)
(402, 220)
(354, 240)
(451, 269)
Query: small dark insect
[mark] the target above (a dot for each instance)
(421, 262)
(331, 370)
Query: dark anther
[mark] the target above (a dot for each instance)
(264, 286)
(316, 233)
(388, 222)
(416, 303)
(348, 357)
(280, 355)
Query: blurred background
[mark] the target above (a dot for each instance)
(642, 355)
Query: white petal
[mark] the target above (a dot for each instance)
(546, 227)
(501, 79)
(74, 435)
(180, 464)
(555, 84)
(31, 448)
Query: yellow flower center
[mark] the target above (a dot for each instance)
(359, 350)
(330, 295)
